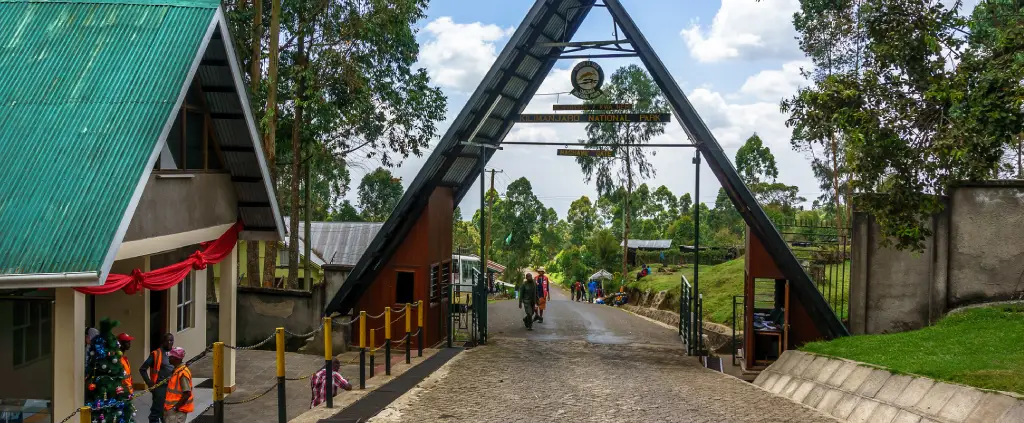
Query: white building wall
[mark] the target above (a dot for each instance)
(193, 339)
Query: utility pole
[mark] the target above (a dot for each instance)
(490, 211)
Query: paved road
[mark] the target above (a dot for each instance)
(585, 363)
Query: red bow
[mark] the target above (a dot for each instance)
(135, 284)
(199, 261)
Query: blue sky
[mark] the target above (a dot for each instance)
(735, 59)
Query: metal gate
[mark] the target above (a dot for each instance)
(691, 318)
(824, 252)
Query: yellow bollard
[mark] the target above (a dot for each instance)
(408, 319)
(85, 415)
(282, 406)
(419, 332)
(328, 353)
(420, 312)
(328, 359)
(218, 381)
(387, 341)
(362, 329)
(408, 333)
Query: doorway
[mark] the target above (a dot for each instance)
(157, 318)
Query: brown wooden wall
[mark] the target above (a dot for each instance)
(428, 242)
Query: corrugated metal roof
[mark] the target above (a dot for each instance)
(206, 4)
(338, 243)
(85, 92)
(650, 244)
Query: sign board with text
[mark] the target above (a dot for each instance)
(593, 117)
(592, 107)
(585, 153)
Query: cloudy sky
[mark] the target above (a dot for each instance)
(735, 60)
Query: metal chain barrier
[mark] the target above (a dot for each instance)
(305, 335)
(271, 388)
(262, 343)
(77, 410)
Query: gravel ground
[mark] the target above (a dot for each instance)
(585, 363)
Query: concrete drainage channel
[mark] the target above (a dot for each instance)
(856, 392)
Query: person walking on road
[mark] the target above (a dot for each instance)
(528, 300)
(162, 369)
(178, 402)
(543, 294)
(591, 290)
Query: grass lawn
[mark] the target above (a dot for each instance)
(718, 283)
(979, 347)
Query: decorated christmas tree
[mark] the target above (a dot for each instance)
(106, 392)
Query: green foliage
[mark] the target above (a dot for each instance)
(978, 347)
(104, 378)
(755, 162)
(345, 213)
(379, 193)
(582, 220)
(349, 65)
(903, 104)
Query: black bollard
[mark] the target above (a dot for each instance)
(362, 369)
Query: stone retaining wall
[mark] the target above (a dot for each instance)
(717, 336)
(856, 392)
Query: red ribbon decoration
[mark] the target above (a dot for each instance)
(165, 277)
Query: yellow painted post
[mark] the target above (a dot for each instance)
(329, 360)
(419, 332)
(282, 406)
(85, 415)
(362, 350)
(408, 333)
(218, 382)
(362, 329)
(387, 341)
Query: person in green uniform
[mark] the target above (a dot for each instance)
(528, 298)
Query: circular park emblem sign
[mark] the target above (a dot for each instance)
(587, 78)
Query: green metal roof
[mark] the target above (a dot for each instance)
(86, 89)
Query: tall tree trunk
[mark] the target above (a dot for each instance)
(252, 251)
(256, 71)
(270, 140)
(293, 245)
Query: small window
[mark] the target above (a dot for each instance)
(282, 258)
(31, 331)
(435, 281)
(186, 303)
(405, 285)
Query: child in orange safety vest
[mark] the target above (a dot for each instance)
(178, 402)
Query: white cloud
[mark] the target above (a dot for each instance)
(776, 84)
(746, 30)
(457, 55)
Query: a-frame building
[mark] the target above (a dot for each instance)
(507, 88)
